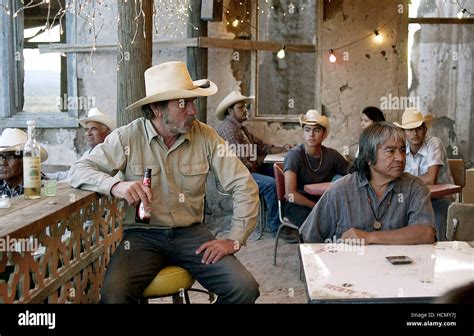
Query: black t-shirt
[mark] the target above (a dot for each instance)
(297, 161)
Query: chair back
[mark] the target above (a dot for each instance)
(460, 222)
(458, 171)
(280, 181)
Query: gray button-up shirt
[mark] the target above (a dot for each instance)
(346, 205)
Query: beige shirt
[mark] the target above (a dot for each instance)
(179, 175)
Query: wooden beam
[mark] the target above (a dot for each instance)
(206, 42)
(441, 21)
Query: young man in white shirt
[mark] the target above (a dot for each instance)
(426, 158)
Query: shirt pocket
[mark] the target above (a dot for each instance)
(194, 177)
(137, 172)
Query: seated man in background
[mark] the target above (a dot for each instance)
(233, 111)
(12, 142)
(309, 163)
(426, 158)
(377, 203)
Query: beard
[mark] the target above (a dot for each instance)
(179, 128)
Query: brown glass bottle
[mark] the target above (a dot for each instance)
(142, 215)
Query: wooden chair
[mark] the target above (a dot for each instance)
(458, 171)
(280, 188)
(460, 224)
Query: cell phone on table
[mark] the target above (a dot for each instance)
(399, 260)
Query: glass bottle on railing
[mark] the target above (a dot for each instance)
(32, 164)
(141, 214)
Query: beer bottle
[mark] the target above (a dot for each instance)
(141, 214)
(31, 164)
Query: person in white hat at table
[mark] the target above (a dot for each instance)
(427, 158)
(308, 163)
(180, 152)
(233, 111)
(98, 125)
(12, 142)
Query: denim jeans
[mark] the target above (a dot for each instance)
(142, 253)
(297, 214)
(267, 187)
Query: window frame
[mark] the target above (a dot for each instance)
(10, 116)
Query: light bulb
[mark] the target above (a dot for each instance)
(281, 54)
(460, 15)
(378, 38)
(332, 57)
(235, 23)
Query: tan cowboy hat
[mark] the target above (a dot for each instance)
(232, 98)
(14, 139)
(313, 117)
(171, 80)
(412, 118)
(97, 115)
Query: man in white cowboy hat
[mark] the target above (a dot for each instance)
(377, 203)
(12, 142)
(427, 158)
(307, 163)
(180, 151)
(233, 112)
(98, 125)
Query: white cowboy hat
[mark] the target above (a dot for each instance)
(313, 117)
(171, 80)
(232, 98)
(412, 118)
(97, 115)
(14, 139)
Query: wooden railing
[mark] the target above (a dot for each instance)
(55, 249)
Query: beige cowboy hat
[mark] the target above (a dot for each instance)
(171, 80)
(97, 115)
(313, 117)
(232, 98)
(412, 118)
(14, 139)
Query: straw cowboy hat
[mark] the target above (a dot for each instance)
(313, 117)
(97, 115)
(171, 80)
(14, 139)
(412, 118)
(232, 98)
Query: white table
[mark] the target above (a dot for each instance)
(272, 158)
(337, 273)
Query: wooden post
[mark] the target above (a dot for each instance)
(135, 58)
(197, 57)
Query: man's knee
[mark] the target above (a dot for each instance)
(245, 290)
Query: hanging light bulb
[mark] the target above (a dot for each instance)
(332, 57)
(282, 53)
(378, 38)
(235, 22)
(460, 15)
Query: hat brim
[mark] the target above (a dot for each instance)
(323, 123)
(43, 151)
(427, 120)
(178, 94)
(100, 119)
(224, 105)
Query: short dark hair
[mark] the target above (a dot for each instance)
(374, 113)
(148, 111)
(370, 141)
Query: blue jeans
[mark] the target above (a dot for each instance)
(440, 207)
(267, 187)
(144, 252)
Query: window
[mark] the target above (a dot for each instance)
(35, 84)
(441, 74)
(287, 83)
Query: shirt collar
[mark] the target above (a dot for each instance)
(151, 132)
(423, 151)
(233, 121)
(363, 182)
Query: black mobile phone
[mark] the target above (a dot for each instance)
(399, 260)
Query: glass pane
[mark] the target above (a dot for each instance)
(286, 86)
(438, 8)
